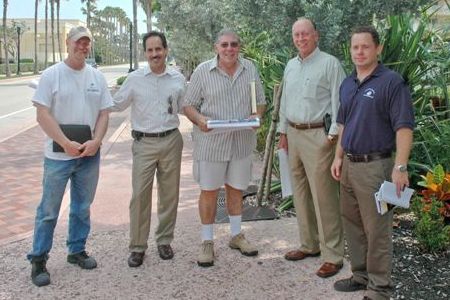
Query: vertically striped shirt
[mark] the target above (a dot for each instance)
(155, 99)
(219, 96)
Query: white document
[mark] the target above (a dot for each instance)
(242, 123)
(285, 175)
(387, 194)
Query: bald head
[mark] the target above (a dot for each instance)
(305, 36)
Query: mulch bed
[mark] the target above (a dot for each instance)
(416, 274)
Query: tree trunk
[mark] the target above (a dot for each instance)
(5, 43)
(149, 15)
(52, 17)
(58, 2)
(268, 152)
(46, 35)
(35, 66)
(135, 36)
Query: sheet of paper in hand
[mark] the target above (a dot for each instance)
(74, 132)
(387, 194)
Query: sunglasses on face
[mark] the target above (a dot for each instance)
(231, 44)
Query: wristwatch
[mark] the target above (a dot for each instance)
(401, 168)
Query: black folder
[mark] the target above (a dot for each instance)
(74, 132)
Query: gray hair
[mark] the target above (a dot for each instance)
(227, 31)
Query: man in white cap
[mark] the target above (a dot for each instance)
(72, 103)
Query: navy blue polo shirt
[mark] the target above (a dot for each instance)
(373, 110)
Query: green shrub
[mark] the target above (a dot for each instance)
(430, 229)
(120, 80)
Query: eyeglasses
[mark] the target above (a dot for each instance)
(231, 44)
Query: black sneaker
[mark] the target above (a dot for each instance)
(349, 285)
(39, 274)
(83, 260)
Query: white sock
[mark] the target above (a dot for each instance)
(235, 224)
(207, 232)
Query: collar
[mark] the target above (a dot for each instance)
(215, 63)
(168, 71)
(380, 68)
(310, 56)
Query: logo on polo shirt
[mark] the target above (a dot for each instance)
(92, 88)
(369, 93)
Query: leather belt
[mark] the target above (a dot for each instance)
(367, 157)
(305, 126)
(138, 134)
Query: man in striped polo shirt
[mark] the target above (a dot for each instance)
(220, 89)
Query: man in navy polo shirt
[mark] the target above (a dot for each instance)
(375, 117)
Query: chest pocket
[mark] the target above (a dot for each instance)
(310, 88)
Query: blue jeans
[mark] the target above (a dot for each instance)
(83, 174)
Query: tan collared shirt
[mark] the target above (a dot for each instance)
(310, 90)
(221, 97)
(155, 99)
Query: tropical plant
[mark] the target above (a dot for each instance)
(437, 187)
(432, 209)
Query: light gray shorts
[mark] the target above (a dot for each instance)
(213, 175)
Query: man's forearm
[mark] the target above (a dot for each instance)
(192, 114)
(339, 150)
(101, 126)
(404, 138)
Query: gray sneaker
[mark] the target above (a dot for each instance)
(240, 243)
(206, 257)
(83, 260)
(39, 274)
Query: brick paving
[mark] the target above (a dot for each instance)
(20, 179)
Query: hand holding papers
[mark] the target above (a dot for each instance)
(231, 124)
(387, 194)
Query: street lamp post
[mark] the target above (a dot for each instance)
(18, 50)
(131, 48)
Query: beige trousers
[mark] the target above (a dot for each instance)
(163, 156)
(369, 234)
(315, 193)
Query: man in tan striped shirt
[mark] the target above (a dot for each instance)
(220, 89)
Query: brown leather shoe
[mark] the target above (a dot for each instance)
(165, 252)
(299, 255)
(136, 259)
(328, 270)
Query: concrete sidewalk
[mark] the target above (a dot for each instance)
(267, 276)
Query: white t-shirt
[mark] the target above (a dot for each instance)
(73, 96)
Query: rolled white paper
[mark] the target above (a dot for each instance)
(253, 95)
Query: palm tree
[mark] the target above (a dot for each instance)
(35, 66)
(88, 11)
(147, 6)
(46, 35)
(58, 4)
(5, 10)
(135, 36)
(90, 6)
(52, 17)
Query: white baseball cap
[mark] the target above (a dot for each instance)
(78, 32)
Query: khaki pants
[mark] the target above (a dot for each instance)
(315, 194)
(369, 234)
(162, 155)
